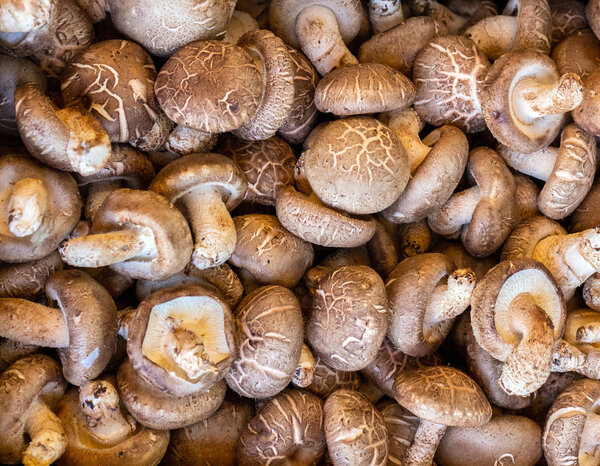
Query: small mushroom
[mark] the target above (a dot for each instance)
(28, 279)
(577, 53)
(382, 251)
(463, 260)
(591, 292)
(11, 351)
(327, 380)
(288, 429)
(239, 24)
(185, 141)
(586, 114)
(29, 390)
(137, 233)
(457, 15)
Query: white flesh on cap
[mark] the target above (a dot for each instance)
(538, 164)
(48, 438)
(26, 207)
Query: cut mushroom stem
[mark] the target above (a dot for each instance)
(457, 212)
(385, 14)
(589, 333)
(450, 300)
(530, 363)
(32, 323)
(100, 407)
(27, 206)
(105, 249)
(425, 443)
(326, 48)
(567, 358)
(305, 372)
(97, 193)
(48, 439)
(538, 99)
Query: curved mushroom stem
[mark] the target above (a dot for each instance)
(32, 323)
(538, 164)
(567, 357)
(48, 438)
(591, 292)
(415, 238)
(407, 125)
(214, 232)
(99, 402)
(125, 318)
(455, 213)
(535, 99)
(424, 445)
(305, 371)
(590, 438)
(382, 251)
(530, 363)
(320, 39)
(97, 192)
(385, 14)
(27, 204)
(450, 300)
(187, 349)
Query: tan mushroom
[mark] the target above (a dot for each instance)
(382, 251)
(28, 279)
(340, 257)
(239, 24)
(401, 426)
(568, 16)
(458, 14)
(11, 351)
(527, 197)
(385, 14)
(577, 53)
(586, 114)
(587, 215)
(185, 141)
(592, 14)
(305, 370)
(463, 260)
(415, 238)
(327, 380)
(591, 292)
(137, 233)
(29, 390)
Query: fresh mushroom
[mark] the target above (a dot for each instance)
(568, 16)
(463, 260)
(577, 53)
(587, 215)
(527, 197)
(382, 251)
(28, 279)
(385, 14)
(457, 15)
(401, 426)
(305, 370)
(415, 238)
(327, 380)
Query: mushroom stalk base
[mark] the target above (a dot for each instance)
(450, 300)
(48, 438)
(567, 357)
(34, 324)
(455, 213)
(535, 100)
(97, 192)
(425, 443)
(589, 333)
(385, 14)
(26, 207)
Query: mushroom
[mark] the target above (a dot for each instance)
(439, 396)
(181, 340)
(137, 233)
(239, 24)
(448, 73)
(415, 238)
(114, 81)
(288, 429)
(586, 114)
(269, 333)
(457, 15)
(483, 215)
(385, 14)
(101, 432)
(571, 430)
(327, 380)
(209, 186)
(505, 437)
(11, 351)
(41, 206)
(577, 53)
(524, 99)
(463, 260)
(426, 293)
(382, 251)
(348, 317)
(587, 215)
(305, 370)
(568, 17)
(268, 252)
(354, 430)
(591, 292)
(401, 426)
(29, 389)
(185, 141)
(84, 328)
(28, 279)
(592, 14)
(527, 197)
(436, 164)
(518, 316)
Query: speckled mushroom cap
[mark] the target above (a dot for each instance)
(354, 429)
(29, 378)
(269, 331)
(435, 179)
(201, 320)
(268, 251)
(571, 425)
(568, 16)
(157, 410)
(62, 210)
(141, 447)
(442, 395)
(114, 80)
(527, 234)
(172, 235)
(577, 53)
(28, 279)
(356, 164)
(504, 438)
(289, 427)
(162, 29)
(363, 88)
(222, 86)
(587, 215)
(268, 166)
(327, 380)
(446, 64)
(348, 317)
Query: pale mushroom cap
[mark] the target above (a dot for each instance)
(23, 16)
(527, 234)
(577, 53)
(356, 164)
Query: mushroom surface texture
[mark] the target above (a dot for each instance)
(581, 344)
(28, 279)
(401, 426)
(577, 53)
(327, 380)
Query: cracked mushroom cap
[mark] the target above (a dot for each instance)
(568, 16)
(571, 429)
(55, 199)
(182, 340)
(288, 428)
(348, 317)
(269, 330)
(356, 164)
(28, 279)
(327, 380)
(354, 429)
(448, 73)
(269, 252)
(155, 409)
(577, 53)
(29, 388)
(363, 88)
(587, 215)
(114, 81)
(526, 235)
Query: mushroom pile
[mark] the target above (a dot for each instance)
(300, 232)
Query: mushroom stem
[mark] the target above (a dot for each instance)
(589, 333)
(535, 99)
(530, 363)
(187, 350)
(407, 125)
(415, 238)
(590, 439)
(97, 192)
(26, 206)
(538, 164)
(99, 402)
(440, 13)
(214, 232)
(305, 371)
(450, 300)
(567, 357)
(48, 438)
(385, 14)
(424, 445)
(105, 249)
(320, 39)
(455, 213)
(32, 323)
(125, 318)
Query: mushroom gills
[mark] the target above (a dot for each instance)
(27, 205)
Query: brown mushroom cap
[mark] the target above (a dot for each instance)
(592, 14)
(348, 317)
(222, 88)
(62, 211)
(586, 115)
(401, 426)
(587, 215)
(354, 429)
(28, 279)
(568, 16)
(577, 53)
(288, 428)
(181, 340)
(154, 409)
(526, 235)
(270, 335)
(327, 380)
(356, 164)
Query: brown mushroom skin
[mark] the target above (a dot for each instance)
(28, 279)
(327, 380)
